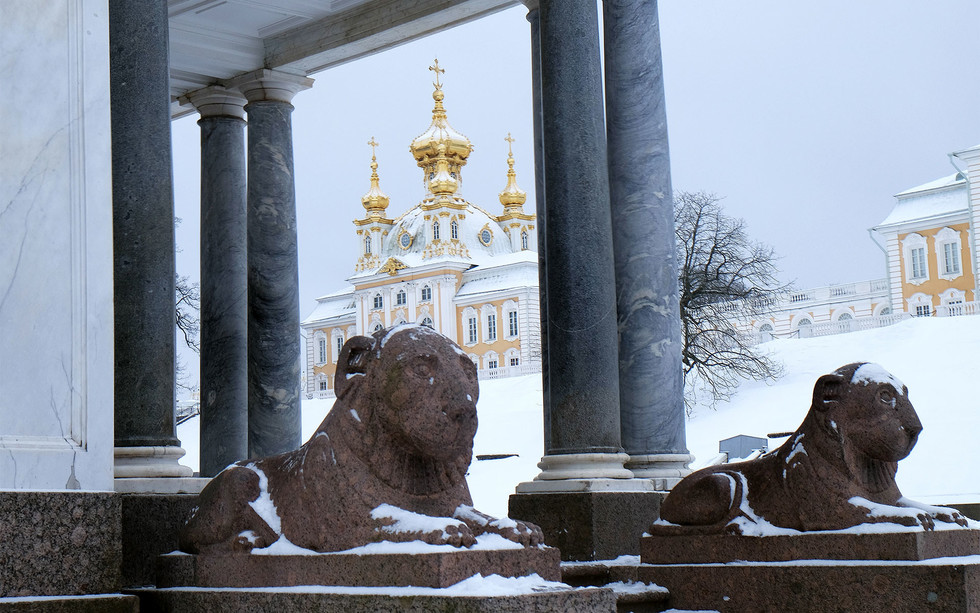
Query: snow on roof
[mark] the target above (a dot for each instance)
(939, 197)
(505, 272)
(332, 305)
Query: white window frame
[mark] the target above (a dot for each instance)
(338, 345)
(917, 300)
(491, 360)
(490, 323)
(525, 237)
(367, 244)
(318, 337)
(471, 326)
(910, 244)
(454, 229)
(401, 298)
(948, 238)
(378, 301)
(426, 290)
(435, 230)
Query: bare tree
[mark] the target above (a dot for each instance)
(187, 317)
(723, 274)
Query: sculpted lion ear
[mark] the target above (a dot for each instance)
(352, 362)
(827, 391)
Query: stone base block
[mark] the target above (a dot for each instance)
(946, 585)
(590, 525)
(59, 543)
(810, 546)
(323, 601)
(436, 570)
(149, 528)
(103, 603)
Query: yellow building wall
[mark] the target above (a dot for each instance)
(936, 285)
(501, 345)
(330, 368)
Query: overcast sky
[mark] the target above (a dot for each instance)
(805, 117)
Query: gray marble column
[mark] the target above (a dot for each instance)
(224, 332)
(650, 376)
(143, 241)
(583, 404)
(274, 386)
(534, 18)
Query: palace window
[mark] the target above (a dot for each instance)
(367, 245)
(951, 259)
(524, 239)
(919, 270)
(454, 229)
(491, 326)
(435, 230)
(512, 329)
(379, 302)
(492, 363)
(472, 330)
(377, 327)
(401, 298)
(340, 344)
(321, 351)
(803, 323)
(427, 322)
(515, 361)
(426, 293)
(948, 249)
(323, 385)
(923, 310)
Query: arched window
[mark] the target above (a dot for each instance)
(427, 322)
(379, 302)
(845, 317)
(377, 327)
(454, 229)
(426, 293)
(524, 239)
(886, 311)
(765, 328)
(367, 245)
(435, 230)
(401, 298)
(804, 322)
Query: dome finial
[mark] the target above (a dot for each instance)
(512, 197)
(375, 201)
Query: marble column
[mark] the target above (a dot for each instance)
(650, 377)
(224, 332)
(143, 242)
(583, 405)
(274, 385)
(534, 18)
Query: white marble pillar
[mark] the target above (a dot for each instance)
(274, 386)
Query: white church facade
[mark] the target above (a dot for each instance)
(446, 263)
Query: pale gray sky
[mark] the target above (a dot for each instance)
(805, 117)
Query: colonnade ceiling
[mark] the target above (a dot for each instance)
(214, 40)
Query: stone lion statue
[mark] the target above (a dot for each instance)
(387, 463)
(835, 472)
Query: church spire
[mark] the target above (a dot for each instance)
(375, 201)
(513, 197)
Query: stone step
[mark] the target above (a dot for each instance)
(96, 603)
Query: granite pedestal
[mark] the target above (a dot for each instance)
(589, 525)
(149, 528)
(436, 570)
(818, 572)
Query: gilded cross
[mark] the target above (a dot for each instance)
(435, 68)
(510, 144)
(373, 144)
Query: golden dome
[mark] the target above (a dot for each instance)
(513, 197)
(440, 151)
(375, 201)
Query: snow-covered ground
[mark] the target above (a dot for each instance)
(937, 358)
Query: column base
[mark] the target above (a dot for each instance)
(665, 470)
(150, 462)
(583, 466)
(590, 525)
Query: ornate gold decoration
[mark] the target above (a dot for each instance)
(513, 197)
(392, 266)
(481, 235)
(401, 242)
(375, 201)
(441, 151)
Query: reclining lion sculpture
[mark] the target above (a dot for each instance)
(387, 460)
(835, 472)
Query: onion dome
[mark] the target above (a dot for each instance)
(375, 201)
(513, 197)
(440, 151)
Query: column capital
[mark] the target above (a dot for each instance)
(264, 84)
(216, 101)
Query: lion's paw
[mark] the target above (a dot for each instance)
(525, 533)
(398, 525)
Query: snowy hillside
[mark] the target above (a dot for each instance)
(936, 358)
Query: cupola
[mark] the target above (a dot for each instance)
(441, 151)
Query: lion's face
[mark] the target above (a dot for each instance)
(874, 414)
(428, 392)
